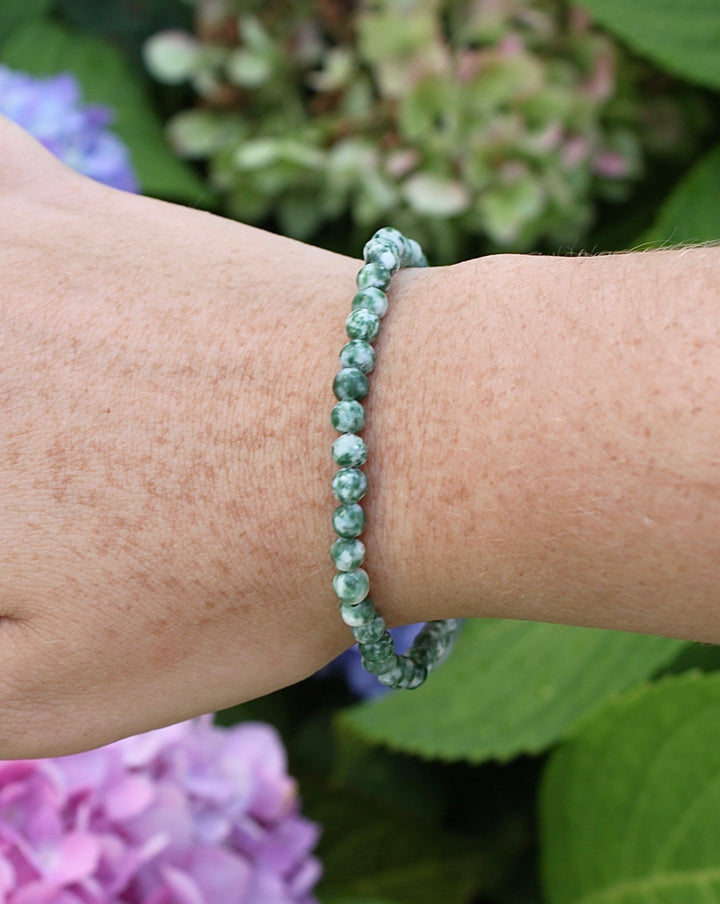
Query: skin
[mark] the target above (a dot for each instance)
(544, 440)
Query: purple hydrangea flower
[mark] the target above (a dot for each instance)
(361, 682)
(51, 110)
(191, 814)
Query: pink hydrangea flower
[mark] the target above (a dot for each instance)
(191, 814)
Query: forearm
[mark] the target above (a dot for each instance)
(543, 437)
(550, 436)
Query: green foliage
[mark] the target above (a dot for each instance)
(458, 122)
(691, 213)
(367, 852)
(15, 12)
(682, 36)
(524, 686)
(631, 805)
(42, 47)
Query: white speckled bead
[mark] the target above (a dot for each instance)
(378, 251)
(415, 256)
(357, 614)
(350, 383)
(349, 521)
(380, 666)
(362, 324)
(370, 631)
(372, 299)
(348, 416)
(358, 353)
(349, 451)
(347, 554)
(394, 675)
(395, 238)
(351, 586)
(373, 275)
(349, 485)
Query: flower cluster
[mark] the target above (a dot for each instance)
(191, 814)
(51, 111)
(505, 120)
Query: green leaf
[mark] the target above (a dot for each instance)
(42, 48)
(508, 688)
(680, 35)
(630, 807)
(13, 12)
(691, 213)
(367, 852)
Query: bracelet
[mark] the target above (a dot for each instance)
(386, 252)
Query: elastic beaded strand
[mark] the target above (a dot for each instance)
(386, 252)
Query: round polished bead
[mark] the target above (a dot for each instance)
(395, 238)
(380, 666)
(347, 554)
(351, 586)
(378, 251)
(348, 416)
(350, 383)
(378, 651)
(358, 353)
(373, 275)
(349, 520)
(414, 675)
(358, 614)
(349, 485)
(370, 631)
(393, 676)
(349, 451)
(414, 256)
(372, 299)
(362, 324)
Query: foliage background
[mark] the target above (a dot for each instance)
(542, 763)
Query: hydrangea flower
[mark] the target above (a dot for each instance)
(52, 112)
(191, 814)
(472, 125)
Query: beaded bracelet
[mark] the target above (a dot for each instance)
(386, 252)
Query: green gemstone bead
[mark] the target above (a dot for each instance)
(413, 675)
(349, 521)
(348, 416)
(362, 324)
(378, 251)
(350, 383)
(372, 299)
(378, 651)
(380, 667)
(359, 614)
(351, 587)
(393, 676)
(359, 354)
(393, 237)
(349, 451)
(414, 256)
(370, 631)
(347, 554)
(373, 275)
(349, 485)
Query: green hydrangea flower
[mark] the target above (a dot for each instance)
(503, 121)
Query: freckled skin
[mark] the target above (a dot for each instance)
(544, 439)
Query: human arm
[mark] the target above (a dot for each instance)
(164, 457)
